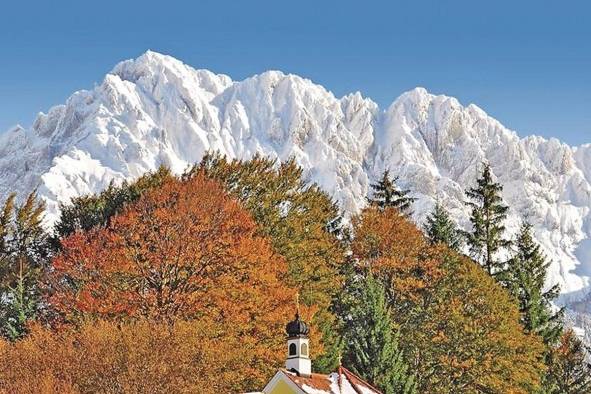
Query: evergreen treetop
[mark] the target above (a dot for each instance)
(440, 228)
(387, 194)
(525, 278)
(487, 217)
(370, 338)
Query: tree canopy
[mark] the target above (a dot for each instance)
(132, 357)
(459, 329)
(185, 251)
(304, 226)
(96, 210)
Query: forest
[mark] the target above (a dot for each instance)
(184, 284)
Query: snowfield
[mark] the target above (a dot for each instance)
(156, 110)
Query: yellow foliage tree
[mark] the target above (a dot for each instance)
(138, 357)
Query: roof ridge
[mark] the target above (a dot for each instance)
(347, 372)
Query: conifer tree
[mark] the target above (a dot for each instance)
(387, 194)
(370, 342)
(525, 278)
(24, 251)
(568, 370)
(440, 228)
(488, 215)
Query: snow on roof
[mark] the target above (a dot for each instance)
(341, 382)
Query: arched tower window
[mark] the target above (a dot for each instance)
(304, 349)
(293, 349)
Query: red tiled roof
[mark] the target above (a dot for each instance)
(324, 382)
(316, 380)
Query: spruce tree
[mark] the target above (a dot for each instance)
(387, 194)
(370, 342)
(488, 216)
(525, 278)
(568, 370)
(440, 228)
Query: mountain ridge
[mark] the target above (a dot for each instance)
(156, 110)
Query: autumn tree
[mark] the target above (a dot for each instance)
(24, 252)
(440, 228)
(525, 278)
(370, 338)
(302, 222)
(394, 249)
(184, 250)
(488, 215)
(96, 210)
(387, 194)
(459, 329)
(131, 357)
(304, 226)
(568, 370)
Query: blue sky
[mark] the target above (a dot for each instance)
(527, 63)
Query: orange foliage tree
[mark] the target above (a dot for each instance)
(459, 329)
(136, 357)
(304, 226)
(185, 250)
(391, 246)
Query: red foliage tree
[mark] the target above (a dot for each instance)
(183, 251)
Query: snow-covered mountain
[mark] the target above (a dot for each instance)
(155, 110)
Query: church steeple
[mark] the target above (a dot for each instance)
(298, 350)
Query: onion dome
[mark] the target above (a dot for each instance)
(297, 328)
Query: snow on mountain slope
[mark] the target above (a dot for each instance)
(155, 110)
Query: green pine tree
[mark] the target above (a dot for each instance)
(24, 253)
(488, 216)
(568, 370)
(387, 194)
(525, 278)
(440, 228)
(370, 342)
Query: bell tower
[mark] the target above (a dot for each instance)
(298, 346)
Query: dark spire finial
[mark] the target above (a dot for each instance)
(297, 327)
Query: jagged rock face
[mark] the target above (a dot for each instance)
(155, 110)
